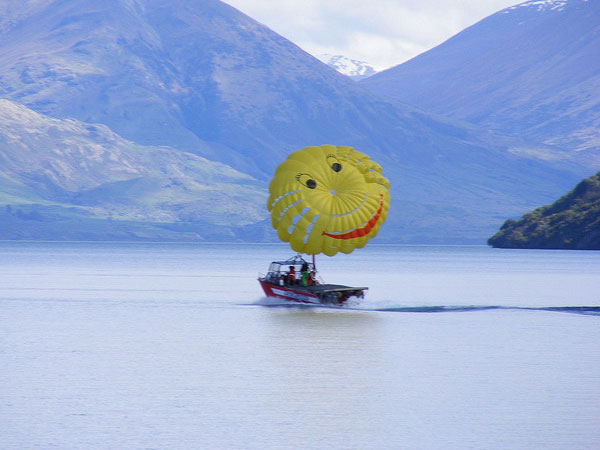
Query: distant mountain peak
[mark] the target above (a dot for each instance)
(353, 68)
(542, 5)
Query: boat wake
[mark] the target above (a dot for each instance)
(583, 310)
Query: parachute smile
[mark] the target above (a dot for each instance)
(355, 209)
(359, 232)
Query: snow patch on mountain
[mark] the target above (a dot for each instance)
(353, 68)
(542, 5)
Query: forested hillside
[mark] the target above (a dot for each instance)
(572, 222)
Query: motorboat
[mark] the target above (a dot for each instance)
(297, 280)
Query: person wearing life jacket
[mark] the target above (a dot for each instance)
(292, 276)
(304, 272)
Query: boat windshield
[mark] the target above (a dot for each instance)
(292, 270)
(297, 262)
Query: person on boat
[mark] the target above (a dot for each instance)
(292, 276)
(304, 272)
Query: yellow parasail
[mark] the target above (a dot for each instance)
(328, 199)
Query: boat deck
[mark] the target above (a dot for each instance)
(323, 288)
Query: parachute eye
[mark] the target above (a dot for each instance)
(306, 180)
(333, 163)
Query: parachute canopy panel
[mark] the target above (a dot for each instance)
(328, 199)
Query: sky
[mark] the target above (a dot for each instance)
(383, 33)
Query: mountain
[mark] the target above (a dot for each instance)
(200, 77)
(82, 180)
(572, 222)
(355, 69)
(531, 70)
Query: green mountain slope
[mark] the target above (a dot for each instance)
(83, 181)
(572, 222)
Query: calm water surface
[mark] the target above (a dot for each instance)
(172, 346)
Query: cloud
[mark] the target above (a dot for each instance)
(381, 32)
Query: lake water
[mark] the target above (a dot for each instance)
(172, 346)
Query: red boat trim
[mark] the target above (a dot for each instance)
(272, 290)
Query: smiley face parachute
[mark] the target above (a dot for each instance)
(328, 199)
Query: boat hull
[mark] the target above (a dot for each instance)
(323, 294)
(289, 293)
